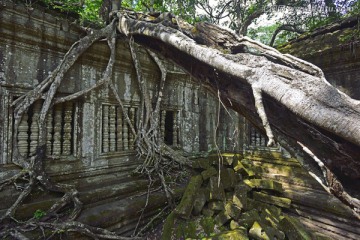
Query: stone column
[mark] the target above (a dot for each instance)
(175, 139)
(112, 122)
(23, 136)
(49, 134)
(105, 129)
(162, 124)
(34, 128)
(131, 135)
(119, 128)
(66, 149)
(57, 130)
(125, 132)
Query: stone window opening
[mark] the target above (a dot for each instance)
(60, 130)
(256, 138)
(170, 127)
(116, 135)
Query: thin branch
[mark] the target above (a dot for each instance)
(285, 27)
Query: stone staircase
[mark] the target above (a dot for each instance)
(113, 198)
(314, 207)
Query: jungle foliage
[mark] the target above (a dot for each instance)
(285, 19)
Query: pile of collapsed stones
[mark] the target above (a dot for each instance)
(226, 199)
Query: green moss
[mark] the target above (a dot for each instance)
(39, 214)
(187, 202)
(294, 229)
(168, 227)
(194, 30)
(208, 225)
(186, 229)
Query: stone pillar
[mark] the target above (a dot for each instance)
(23, 136)
(119, 129)
(105, 129)
(175, 138)
(49, 134)
(125, 132)
(131, 135)
(66, 149)
(112, 130)
(162, 124)
(57, 130)
(34, 127)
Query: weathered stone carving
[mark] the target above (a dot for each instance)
(125, 132)
(57, 130)
(112, 121)
(162, 123)
(66, 148)
(22, 137)
(34, 127)
(49, 136)
(175, 128)
(105, 129)
(132, 119)
(119, 128)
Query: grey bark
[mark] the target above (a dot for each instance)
(303, 110)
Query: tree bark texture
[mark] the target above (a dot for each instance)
(303, 111)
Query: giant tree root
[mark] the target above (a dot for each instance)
(285, 97)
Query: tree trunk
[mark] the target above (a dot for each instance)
(282, 95)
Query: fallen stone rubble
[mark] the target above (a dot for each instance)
(226, 199)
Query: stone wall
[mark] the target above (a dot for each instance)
(89, 143)
(335, 49)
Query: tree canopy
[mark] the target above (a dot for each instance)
(285, 18)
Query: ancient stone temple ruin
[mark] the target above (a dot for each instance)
(90, 145)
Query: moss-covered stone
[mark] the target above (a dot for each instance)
(248, 218)
(186, 230)
(206, 174)
(234, 224)
(294, 229)
(228, 160)
(239, 202)
(227, 178)
(318, 236)
(168, 227)
(270, 214)
(229, 196)
(237, 234)
(278, 201)
(207, 225)
(201, 163)
(240, 195)
(216, 189)
(240, 168)
(260, 231)
(200, 200)
(207, 212)
(216, 205)
(232, 210)
(264, 184)
(257, 232)
(187, 202)
(222, 218)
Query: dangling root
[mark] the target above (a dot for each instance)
(33, 167)
(262, 114)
